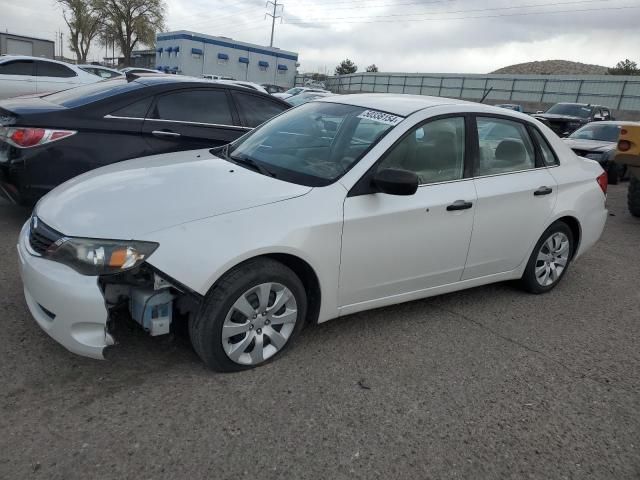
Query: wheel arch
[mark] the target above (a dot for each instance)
(302, 268)
(576, 229)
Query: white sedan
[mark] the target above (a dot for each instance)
(337, 206)
(23, 75)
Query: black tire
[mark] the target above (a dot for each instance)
(529, 281)
(633, 196)
(613, 173)
(205, 328)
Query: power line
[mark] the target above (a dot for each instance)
(273, 16)
(550, 12)
(531, 5)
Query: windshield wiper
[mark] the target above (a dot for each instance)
(252, 164)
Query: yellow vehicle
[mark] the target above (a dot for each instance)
(628, 153)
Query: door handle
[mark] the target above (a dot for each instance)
(459, 205)
(165, 133)
(543, 191)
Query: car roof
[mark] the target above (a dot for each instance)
(28, 57)
(397, 103)
(619, 123)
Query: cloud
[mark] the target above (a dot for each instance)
(443, 42)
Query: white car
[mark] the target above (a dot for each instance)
(297, 91)
(23, 75)
(337, 206)
(242, 83)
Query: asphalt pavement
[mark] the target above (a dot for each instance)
(486, 383)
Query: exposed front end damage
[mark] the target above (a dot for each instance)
(155, 302)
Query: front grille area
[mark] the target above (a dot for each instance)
(41, 236)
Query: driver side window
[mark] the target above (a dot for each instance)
(434, 151)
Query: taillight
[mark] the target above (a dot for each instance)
(32, 137)
(603, 181)
(624, 145)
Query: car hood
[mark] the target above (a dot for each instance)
(144, 195)
(589, 145)
(566, 118)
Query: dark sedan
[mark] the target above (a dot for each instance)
(566, 118)
(598, 141)
(46, 140)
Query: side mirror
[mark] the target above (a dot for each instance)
(396, 182)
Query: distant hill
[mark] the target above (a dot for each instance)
(553, 67)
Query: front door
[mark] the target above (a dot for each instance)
(393, 245)
(17, 77)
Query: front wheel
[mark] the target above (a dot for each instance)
(251, 315)
(549, 260)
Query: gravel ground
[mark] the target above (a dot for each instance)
(486, 383)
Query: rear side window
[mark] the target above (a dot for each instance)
(550, 158)
(100, 72)
(255, 109)
(505, 146)
(48, 69)
(19, 67)
(201, 106)
(137, 109)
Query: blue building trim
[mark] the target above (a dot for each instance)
(282, 67)
(244, 60)
(195, 38)
(262, 63)
(196, 51)
(223, 56)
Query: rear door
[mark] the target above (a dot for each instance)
(53, 77)
(17, 77)
(256, 109)
(188, 119)
(516, 196)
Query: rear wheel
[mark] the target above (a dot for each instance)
(250, 316)
(633, 196)
(549, 260)
(613, 173)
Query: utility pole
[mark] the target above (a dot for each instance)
(273, 16)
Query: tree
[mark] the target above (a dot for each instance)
(625, 67)
(372, 68)
(346, 67)
(132, 22)
(84, 23)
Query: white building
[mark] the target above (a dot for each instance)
(196, 54)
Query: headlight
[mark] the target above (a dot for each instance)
(594, 156)
(99, 257)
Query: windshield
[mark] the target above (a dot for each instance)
(603, 133)
(570, 110)
(313, 144)
(85, 94)
(294, 91)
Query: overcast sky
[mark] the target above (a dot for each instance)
(396, 35)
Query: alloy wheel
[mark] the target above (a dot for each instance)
(259, 323)
(552, 259)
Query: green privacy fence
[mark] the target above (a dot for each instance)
(616, 92)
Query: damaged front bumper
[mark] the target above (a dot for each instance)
(68, 306)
